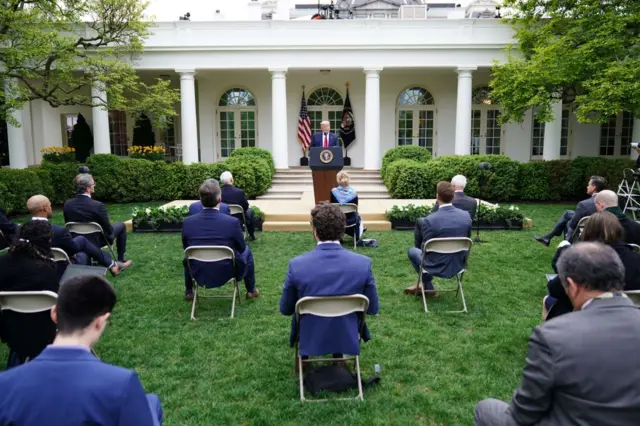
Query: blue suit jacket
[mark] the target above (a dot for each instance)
(329, 270)
(583, 209)
(69, 386)
(85, 209)
(316, 140)
(446, 222)
(197, 208)
(210, 227)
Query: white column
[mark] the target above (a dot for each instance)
(16, 139)
(463, 111)
(553, 134)
(279, 145)
(100, 114)
(372, 119)
(635, 136)
(188, 120)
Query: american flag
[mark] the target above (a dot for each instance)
(304, 125)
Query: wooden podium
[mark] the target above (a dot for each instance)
(325, 163)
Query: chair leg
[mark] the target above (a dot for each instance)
(464, 303)
(193, 305)
(235, 294)
(424, 299)
(301, 378)
(360, 393)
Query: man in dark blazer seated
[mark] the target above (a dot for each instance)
(233, 195)
(66, 384)
(329, 270)
(210, 227)
(83, 208)
(324, 138)
(460, 200)
(78, 247)
(569, 220)
(580, 367)
(196, 207)
(448, 221)
(8, 229)
(607, 200)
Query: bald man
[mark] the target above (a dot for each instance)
(78, 247)
(608, 200)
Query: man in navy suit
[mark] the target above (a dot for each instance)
(569, 220)
(460, 200)
(8, 229)
(325, 138)
(83, 208)
(210, 227)
(448, 221)
(196, 207)
(329, 270)
(234, 195)
(79, 247)
(66, 384)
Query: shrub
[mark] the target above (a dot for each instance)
(256, 152)
(20, 185)
(413, 182)
(59, 154)
(61, 178)
(409, 152)
(534, 182)
(393, 171)
(558, 172)
(157, 216)
(582, 168)
(489, 215)
(252, 175)
(105, 169)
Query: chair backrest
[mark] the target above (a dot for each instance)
(582, 222)
(634, 295)
(84, 228)
(347, 207)
(449, 245)
(4, 239)
(209, 253)
(635, 247)
(235, 209)
(27, 302)
(332, 306)
(60, 255)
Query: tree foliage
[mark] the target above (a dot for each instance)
(55, 50)
(586, 51)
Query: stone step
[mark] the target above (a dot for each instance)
(280, 196)
(308, 173)
(304, 217)
(374, 196)
(309, 181)
(305, 226)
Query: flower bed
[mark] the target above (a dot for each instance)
(170, 219)
(494, 217)
(59, 154)
(153, 153)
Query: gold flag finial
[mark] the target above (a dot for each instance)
(303, 87)
(347, 84)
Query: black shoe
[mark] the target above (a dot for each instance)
(252, 237)
(542, 240)
(188, 296)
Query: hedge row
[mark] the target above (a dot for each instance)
(127, 180)
(506, 180)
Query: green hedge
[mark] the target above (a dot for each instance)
(123, 180)
(265, 154)
(406, 152)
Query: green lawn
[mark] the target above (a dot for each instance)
(435, 367)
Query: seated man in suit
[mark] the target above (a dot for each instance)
(569, 220)
(79, 247)
(579, 367)
(66, 384)
(210, 227)
(329, 270)
(196, 207)
(8, 229)
(324, 138)
(447, 221)
(83, 208)
(460, 200)
(233, 195)
(608, 200)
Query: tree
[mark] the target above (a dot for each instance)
(586, 51)
(143, 132)
(55, 50)
(81, 139)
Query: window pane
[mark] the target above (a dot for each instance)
(564, 135)
(626, 134)
(493, 132)
(608, 136)
(118, 133)
(537, 138)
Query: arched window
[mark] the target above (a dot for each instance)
(237, 121)
(486, 132)
(325, 104)
(416, 118)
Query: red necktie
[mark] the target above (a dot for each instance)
(325, 144)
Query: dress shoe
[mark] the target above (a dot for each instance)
(124, 265)
(542, 240)
(114, 269)
(252, 237)
(188, 296)
(253, 294)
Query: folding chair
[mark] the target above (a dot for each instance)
(346, 209)
(86, 228)
(635, 247)
(212, 254)
(330, 307)
(447, 246)
(579, 228)
(237, 209)
(60, 255)
(634, 295)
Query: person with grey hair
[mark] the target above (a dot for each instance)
(196, 207)
(607, 200)
(580, 368)
(461, 200)
(83, 208)
(234, 195)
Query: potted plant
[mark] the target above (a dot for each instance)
(258, 218)
(405, 217)
(159, 219)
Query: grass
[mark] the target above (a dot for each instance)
(435, 367)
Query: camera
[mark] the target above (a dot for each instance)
(635, 145)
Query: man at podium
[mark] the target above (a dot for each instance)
(325, 138)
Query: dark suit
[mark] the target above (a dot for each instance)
(83, 208)
(580, 370)
(210, 227)
(197, 208)
(233, 195)
(8, 229)
(583, 209)
(462, 202)
(447, 222)
(70, 386)
(342, 273)
(317, 140)
(26, 334)
(631, 227)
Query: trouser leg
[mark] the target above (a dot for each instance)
(155, 407)
(415, 256)
(561, 226)
(248, 216)
(120, 235)
(493, 412)
(188, 282)
(86, 246)
(249, 276)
